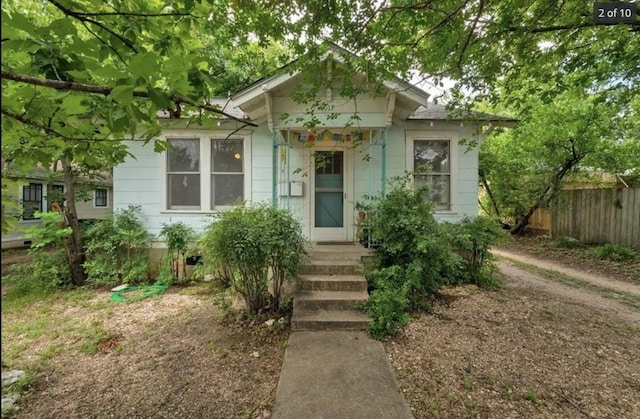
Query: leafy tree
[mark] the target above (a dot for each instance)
(78, 77)
(523, 169)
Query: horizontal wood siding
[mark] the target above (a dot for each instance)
(599, 216)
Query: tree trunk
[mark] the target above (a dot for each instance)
(73, 244)
(548, 194)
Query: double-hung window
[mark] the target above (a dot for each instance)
(31, 200)
(207, 173)
(432, 168)
(183, 174)
(227, 172)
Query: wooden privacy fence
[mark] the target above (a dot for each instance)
(599, 216)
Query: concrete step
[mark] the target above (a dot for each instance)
(332, 283)
(333, 267)
(346, 252)
(329, 320)
(328, 300)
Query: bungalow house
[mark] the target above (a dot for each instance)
(41, 188)
(318, 165)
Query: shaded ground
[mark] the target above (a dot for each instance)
(536, 348)
(169, 356)
(579, 258)
(533, 349)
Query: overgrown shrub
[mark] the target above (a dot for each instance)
(48, 267)
(416, 255)
(177, 236)
(614, 252)
(472, 239)
(249, 241)
(117, 249)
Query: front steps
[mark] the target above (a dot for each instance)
(329, 288)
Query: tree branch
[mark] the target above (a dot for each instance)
(105, 90)
(469, 35)
(43, 127)
(79, 16)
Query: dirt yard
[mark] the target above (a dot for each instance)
(164, 357)
(535, 348)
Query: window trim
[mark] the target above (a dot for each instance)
(43, 203)
(45, 200)
(412, 137)
(106, 205)
(205, 138)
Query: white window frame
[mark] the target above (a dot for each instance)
(206, 138)
(412, 136)
(107, 198)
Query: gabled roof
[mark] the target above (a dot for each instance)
(337, 53)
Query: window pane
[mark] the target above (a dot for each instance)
(184, 155)
(431, 156)
(227, 189)
(101, 197)
(31, 200)
(439, 189)
(184, 191)
(227, 156)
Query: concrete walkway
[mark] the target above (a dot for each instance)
(337, 375)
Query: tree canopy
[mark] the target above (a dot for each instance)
(78, 76)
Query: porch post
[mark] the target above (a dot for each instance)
(274, 169)
(384, 161)
(288, 157)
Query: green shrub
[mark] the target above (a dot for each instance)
(248, 242)
(416, 255)
(567, 243)
(178, 236)
(472, 239)
(386, 307)
(48, 267)
(117, 250)
(413, 260)
(614, 252)
(46, 271)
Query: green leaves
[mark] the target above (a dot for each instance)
(145, 65)
(122, 94)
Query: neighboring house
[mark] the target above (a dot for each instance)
(319, 174)
(41, 188)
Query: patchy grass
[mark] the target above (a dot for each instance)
(616, 262)
(632, 300)
(167, 356)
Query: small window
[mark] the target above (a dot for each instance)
(183, 174)
(100, 197)
(432, 168)
(227, 173)
(31, 200)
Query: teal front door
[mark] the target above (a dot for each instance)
(329, 195)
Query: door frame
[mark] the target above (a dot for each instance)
(337, 234)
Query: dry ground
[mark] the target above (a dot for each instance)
(521, 352)
(164, 357)
(532, 349)
(543, 247)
